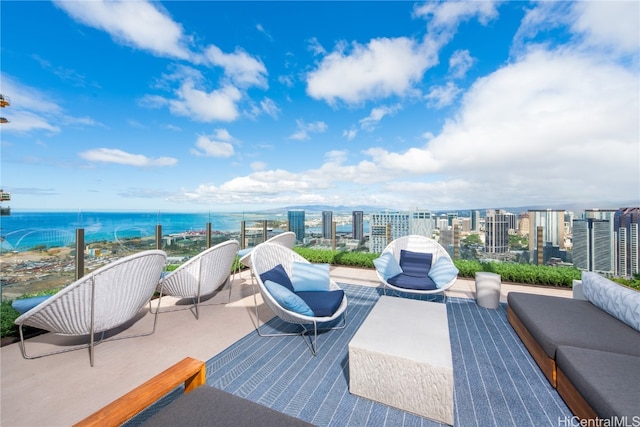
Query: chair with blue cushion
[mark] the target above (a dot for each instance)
(416, 265)
(297, 292)
(286, 239)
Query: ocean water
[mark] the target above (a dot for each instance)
(22, 231)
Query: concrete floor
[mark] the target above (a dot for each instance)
(62, 389)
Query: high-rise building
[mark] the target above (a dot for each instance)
(451, 218)
(442, 222)
(465, 224)
(523, 224)
(327, 224)
(296, 224)
(385, 227)
(626, 227)
(421, 223)
(594, 245)
(511, 220)
(553, 232)
(496, 231)
(475, 220)
(357, 226)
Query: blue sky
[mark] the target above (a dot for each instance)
(227, 106)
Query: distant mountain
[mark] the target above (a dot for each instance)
(367, 209)
(337, 209)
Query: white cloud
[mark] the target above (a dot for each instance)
(316, 47)
(269, 107)
(258, 166)
(200, 105)
(32, 109)
(242, 69)
(108, 155)
(133, 23)
(208, 147)
(379, 69)
(303, 129)
(441, 96)
(552, 127)
(611, 24)
(370, 122)
(350, 134)
(448, 15)
(459, 63)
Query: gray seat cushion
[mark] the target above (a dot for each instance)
(555, 321)
(609, 382)
(208, 406)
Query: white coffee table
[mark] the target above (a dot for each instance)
(401, 357)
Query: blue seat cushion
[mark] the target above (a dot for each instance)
(278, 275)
(415, 264)
(243, 252)
(323, 303)
(412, 282)
(287, 299)
(25, 304)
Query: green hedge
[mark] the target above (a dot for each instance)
(516, 273)
(521, 273)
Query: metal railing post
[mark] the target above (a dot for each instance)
(208, 235)
(264, 230)
(79, 253)
(242, 234)
(158, 236)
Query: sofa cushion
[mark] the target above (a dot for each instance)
(407, 281)
(210, 406)
(310, 277)
(387, 265)
(609, 382)
(619, 301)
(279, 275)
(442, 271)
(287, 299)
(323, 304)
(555, 321)
(415, 263)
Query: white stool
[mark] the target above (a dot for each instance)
(487, 289)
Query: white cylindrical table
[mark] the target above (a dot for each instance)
(487, 289)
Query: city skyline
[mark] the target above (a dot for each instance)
(189, 106)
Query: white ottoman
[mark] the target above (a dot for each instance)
(401, 357)
(487, 289)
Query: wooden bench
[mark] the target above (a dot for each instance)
(191, 372)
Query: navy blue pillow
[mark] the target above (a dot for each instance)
(411, 282)
(415, 264)
(323, 303)
(278, 275)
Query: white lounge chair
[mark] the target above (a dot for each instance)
(416, 285)
(264, 258)
(102, 300)
(286, 239)
(201, 275)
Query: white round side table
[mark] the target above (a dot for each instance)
(487, 289)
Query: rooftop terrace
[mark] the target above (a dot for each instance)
(62, 389)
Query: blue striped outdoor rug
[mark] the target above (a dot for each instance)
(496, 381)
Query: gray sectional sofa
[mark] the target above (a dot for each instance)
(588, 347)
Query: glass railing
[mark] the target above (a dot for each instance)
(38, 249)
